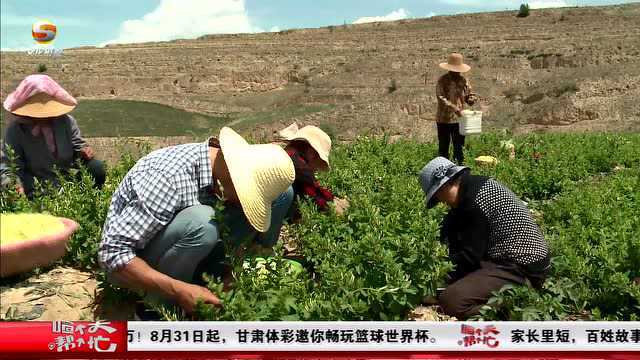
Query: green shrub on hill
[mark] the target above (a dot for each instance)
(524, 11)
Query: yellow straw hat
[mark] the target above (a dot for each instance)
(318, 139)
(455, 63)
(43, 106)
(260, 173)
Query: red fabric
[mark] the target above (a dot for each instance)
(306, 183)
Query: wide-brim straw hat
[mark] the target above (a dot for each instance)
(260, 173)
(455, 63)
(39, 96)
(313, 135)
(435, 175)
(43, 106)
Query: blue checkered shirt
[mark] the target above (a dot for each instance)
(150, 195)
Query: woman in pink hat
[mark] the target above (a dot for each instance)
(43, 135)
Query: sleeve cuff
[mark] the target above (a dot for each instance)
(116, 261)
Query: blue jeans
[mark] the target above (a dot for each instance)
(192, 240)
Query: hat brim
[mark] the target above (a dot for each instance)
(456, 68)
(430, 200)
(43, 106)
(234, 149)
(324, 157)
(289, 132)
(241, 161)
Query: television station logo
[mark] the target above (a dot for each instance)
(479, 336)
(44, 32)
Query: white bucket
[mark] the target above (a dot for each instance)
(470, 122)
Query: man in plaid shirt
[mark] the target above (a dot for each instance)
(159, 236)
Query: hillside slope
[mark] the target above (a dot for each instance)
(574, 69)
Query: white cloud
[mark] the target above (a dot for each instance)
(431, 14)
(394, 15)
(183, 19)
(547, 4)
(274, 29)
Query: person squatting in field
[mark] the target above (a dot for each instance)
(493, 240)
(161, 233)
(309, 149)
(43, 136)
(453, 91)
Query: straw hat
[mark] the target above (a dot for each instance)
(455, 63)
(43, 106)
(260, 173)
(39, 96)
(435, 175)
(318, 139)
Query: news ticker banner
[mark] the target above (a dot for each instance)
(332, 336)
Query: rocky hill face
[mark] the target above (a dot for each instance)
(564, 69)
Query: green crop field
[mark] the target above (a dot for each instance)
(383, 257)
(107, 118)
(127, 118)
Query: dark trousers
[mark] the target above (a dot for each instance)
(97, 171)
(448, 133)
(466, 296)
(95, 168)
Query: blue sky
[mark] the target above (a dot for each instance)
(99, 22)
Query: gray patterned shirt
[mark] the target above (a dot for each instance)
(492, 224)
(150, 195)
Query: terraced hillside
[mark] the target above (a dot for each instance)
(573, 69)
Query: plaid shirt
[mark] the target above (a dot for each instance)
(306, 183)
(150, 195)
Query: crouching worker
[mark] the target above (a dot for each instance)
(309, 149)
(492, 238)
(43, 136)
(159, 237)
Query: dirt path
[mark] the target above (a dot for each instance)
(61, 293)
(428, 313)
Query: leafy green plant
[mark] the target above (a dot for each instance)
(75, 197)
(524, 11)
(592, 228)
(595, 228)
(557, 300)
(270, 292)
(382, 258)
